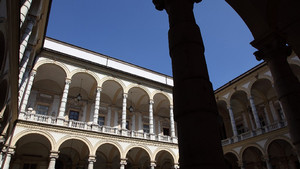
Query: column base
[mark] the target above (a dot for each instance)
(95, 127)
(60, 121)
(174, 140)
(124, 132)
(152, 136)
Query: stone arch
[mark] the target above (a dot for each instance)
(47, 135)
(100, 143)
(69, 137)
(175, 158)
(137, 86)
(148, 151)
(107, 78)
(263, 77)
(87, 72)
(269, 141)
(249, 146)
(61, 65)
(234, 91)
(163, 93)
(246, 90)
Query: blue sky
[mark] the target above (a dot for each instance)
(133, 31)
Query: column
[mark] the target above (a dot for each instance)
(123, 163)
(91, 160)
(267, 116)
(53, 157)
(255, 115)
(22, 86)
(172, 124)
(6, 161)
(116, 118)
(195, 107)
(97, 106)
(151, 117)
(232, 120)
(108, 119)
(24, 63)
(27, 91)
(27, 32)
(63, 102)
(152, 164)
(24, 10)
(267, 160)
(176, 166)
(274, 51)
(273, 111)
(124, 111)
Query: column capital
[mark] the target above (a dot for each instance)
(125, 95)
(68, 81)
(99, 89)
(92, 158)
(123, 161)
(151, 101)
(171, 107)
(176, 165)
(33, 72)
(153, 163)
(54, 154)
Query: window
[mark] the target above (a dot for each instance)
(146, 128)
(42, 109)
(101, 120)
(166, 131)
(73, 115)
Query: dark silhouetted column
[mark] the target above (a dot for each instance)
(195, 108)
(274, 51)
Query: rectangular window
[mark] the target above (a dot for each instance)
(42, 109)
(146, 128)
(166, 131)
(73, 115)
(101, 120)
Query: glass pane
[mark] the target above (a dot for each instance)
(146, 128)
(101, 120)
(74, 115)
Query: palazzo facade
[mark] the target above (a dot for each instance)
(78, 109)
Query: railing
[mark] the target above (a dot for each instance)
(253, 133)
(30, 116)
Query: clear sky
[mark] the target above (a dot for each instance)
(135, 32)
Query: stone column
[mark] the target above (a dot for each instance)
(24, 11)
(53, 157)
(6, 161)
(267, 160)
(26, 35)
(172, 124)
(273, 50)
(123, 126)
(108, 119)
(91, 160)
(97, 106)
(152, 164)
(23, 63)
(176, 166)
(123, 163)
(27, 91)
(194, 100)
(232, 120)
(63, 103)
(151, 129)
(254, 111)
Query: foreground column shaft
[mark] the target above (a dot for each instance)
(195, 108)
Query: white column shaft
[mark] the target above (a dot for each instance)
(52, 163)
(25, 38)
(172, 124)
(151, 128)
(24, 11)
(254, 111)
(7, 161)
(64, 99)
(97, 106)
(27, 91)
(124, 111)
(91, 165)
(234, 130)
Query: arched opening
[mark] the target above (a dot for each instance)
(231, 161)
(107, 156)
(164, 160)
(32, 151)
(137, 158)
(224, 120)
(282, 155)
(253, 158)
(73, 154)
(161, 113)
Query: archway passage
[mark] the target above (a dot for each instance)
(73, 154)
(282, 155)
(137, 158)
(253, 158)
(231, 161)
(107, 157)
(164, 160)
(32, 151)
